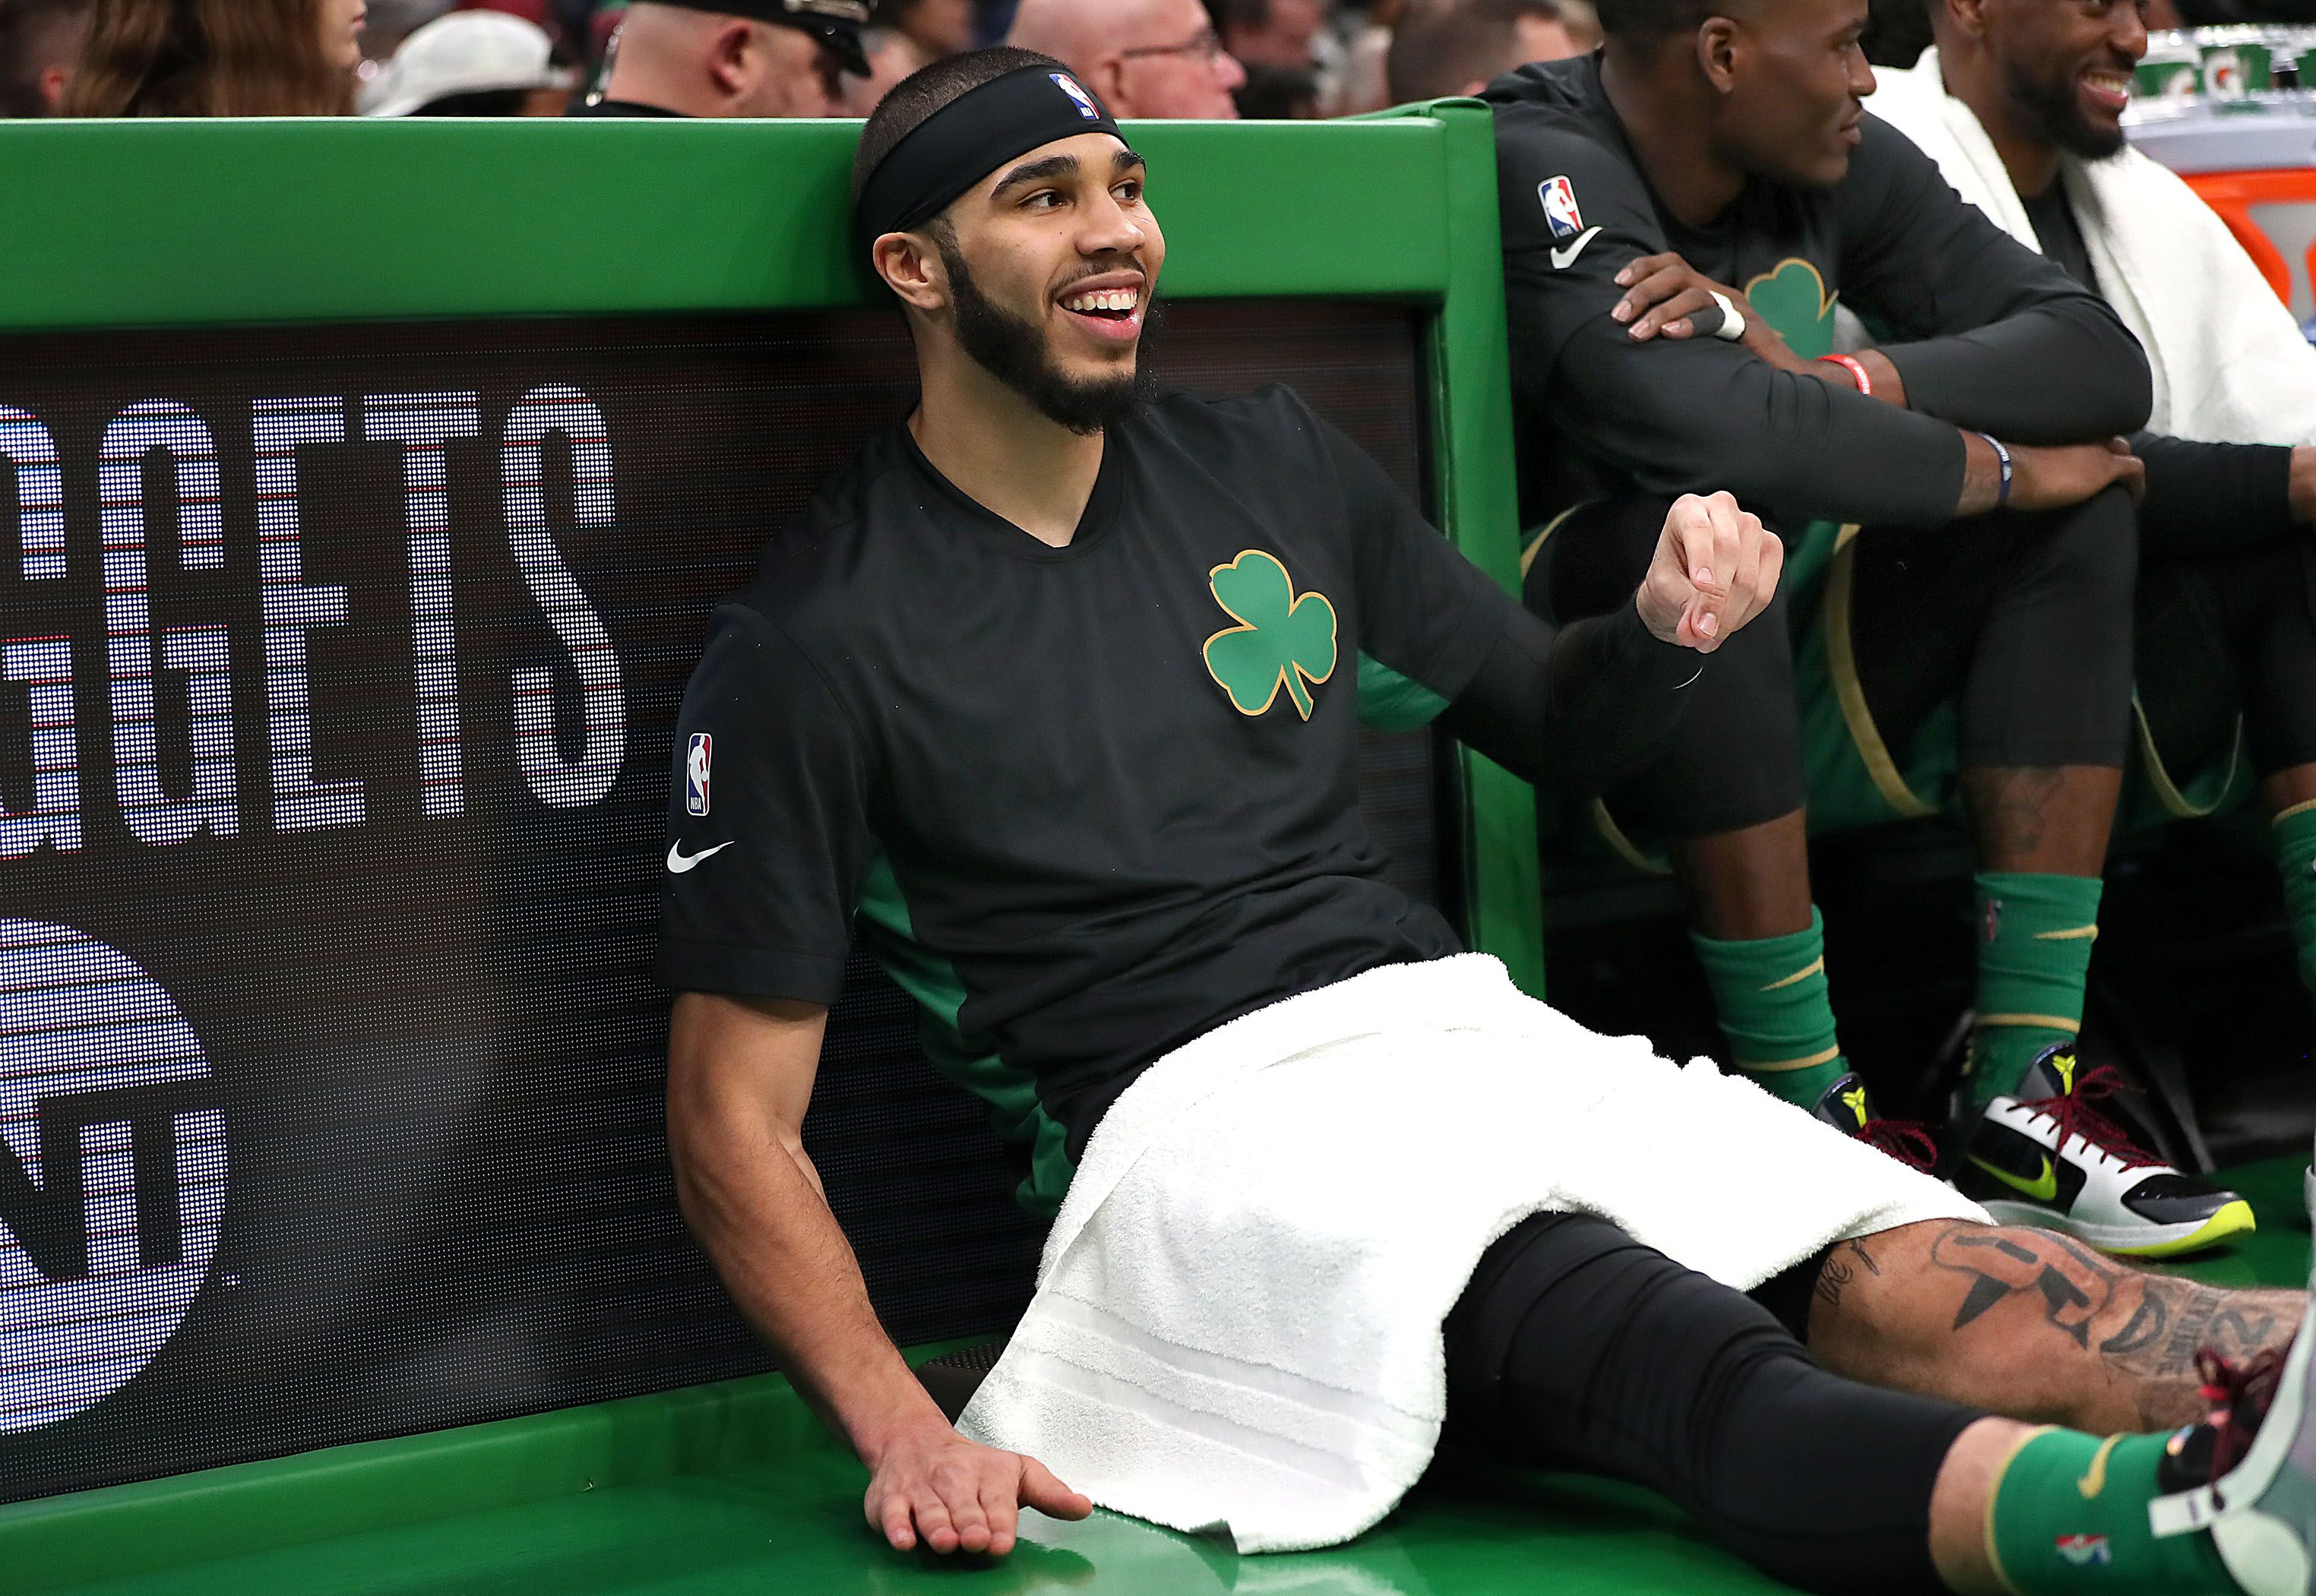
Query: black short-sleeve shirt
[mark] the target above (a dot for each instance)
(1085, 803)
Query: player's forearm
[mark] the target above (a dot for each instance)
(2208, 498)
(1788, 443)
(755, 1207)
(1998, 378)
(1588, 703)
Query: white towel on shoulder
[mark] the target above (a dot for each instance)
(1237, 1324)
(2230, 364)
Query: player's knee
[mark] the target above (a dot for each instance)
(2087, 556)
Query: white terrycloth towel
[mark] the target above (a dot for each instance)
(1237, 1324)
(2230, 364)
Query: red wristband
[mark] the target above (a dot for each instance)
(1856, 370)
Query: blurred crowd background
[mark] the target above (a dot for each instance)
(1264, 59)
(1270, 58)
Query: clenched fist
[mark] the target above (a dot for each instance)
(1716, 567)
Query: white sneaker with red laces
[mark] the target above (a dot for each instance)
(2045, 1157)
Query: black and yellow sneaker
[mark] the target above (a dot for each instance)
(1848, 1110)
(2046, 1157)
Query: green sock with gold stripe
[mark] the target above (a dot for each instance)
(2069, 1518)
(2295, 856)
(2035, 936)
(1776, 1010)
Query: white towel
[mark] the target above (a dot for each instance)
(2230, 364)
(1237, 1324)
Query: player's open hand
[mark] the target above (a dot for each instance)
(1664, 295)
(1716, 567)
(930, 1486)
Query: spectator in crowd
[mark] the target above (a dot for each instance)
(939, 27)
(1278, 43)
(40, 43)
(219, 58)
(1459, 47)
(472, 63)
(1154, 59)
(732, 58)
(1281, 33)
(892, 55)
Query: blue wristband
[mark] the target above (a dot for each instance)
(2002, 456)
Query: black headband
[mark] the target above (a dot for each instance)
(971, 137)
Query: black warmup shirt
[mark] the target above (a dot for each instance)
(1987, 333)
(2201, 497)
(1089, 802)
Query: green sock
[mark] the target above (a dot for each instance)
(1771, 995)
(2070, 1518)
(2295, 856)
(2035, 936)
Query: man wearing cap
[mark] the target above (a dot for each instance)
(732, 58)
(471, 63)
(1052, 694)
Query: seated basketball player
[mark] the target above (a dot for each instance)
(2021, 105)
(1050, 692)
(1721, 151)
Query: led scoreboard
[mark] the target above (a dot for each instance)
(355, 548)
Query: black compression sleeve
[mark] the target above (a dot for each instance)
(2204, 498)
(1589, 702)
(1681, 416)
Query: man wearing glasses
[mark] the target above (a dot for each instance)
(1144, 59)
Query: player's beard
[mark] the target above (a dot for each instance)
(2053, 107)
(1016, 353)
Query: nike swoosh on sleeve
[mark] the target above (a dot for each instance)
(1562, 259)
(679, 862)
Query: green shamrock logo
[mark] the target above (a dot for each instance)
(1279, 638)
(1793, 299)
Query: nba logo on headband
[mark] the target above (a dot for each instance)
(1068, 86)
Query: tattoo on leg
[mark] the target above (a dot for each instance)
(1835, 1277)
(2074, 1285)
(2174, 1319)
(2009, 806)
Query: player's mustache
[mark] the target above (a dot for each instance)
(1132, 263)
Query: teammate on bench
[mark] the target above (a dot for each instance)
(1051, 691)
(2021, 106)
(1710, 154)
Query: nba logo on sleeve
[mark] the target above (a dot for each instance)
(1068, 86)
(696, 763)
(1559, 196)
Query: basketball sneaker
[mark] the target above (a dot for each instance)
(1848, 1110)
(2047, 1156)
(2247, 1473)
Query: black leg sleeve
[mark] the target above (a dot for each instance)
(1577, 1348)
(2028, 616)
(2226, 632)
(1733, 758)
